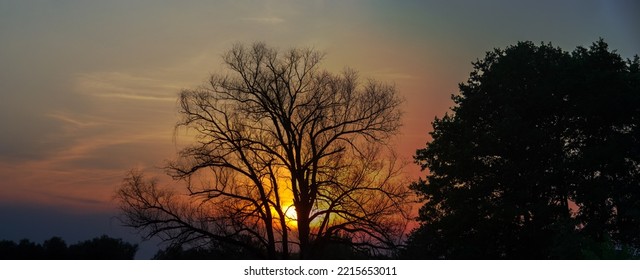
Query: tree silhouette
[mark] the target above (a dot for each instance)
(55, 248)
(539, 159)
(286, 155)
(212, 251)
(103, 248)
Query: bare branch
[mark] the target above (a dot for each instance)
(277, 129)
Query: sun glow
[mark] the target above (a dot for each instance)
(290, 216)
(285, 197)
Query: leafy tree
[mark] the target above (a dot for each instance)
(286, 155)
(540, 158)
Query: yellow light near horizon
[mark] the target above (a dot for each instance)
(286, 197)
(290, 216)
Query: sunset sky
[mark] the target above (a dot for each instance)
(88, 89)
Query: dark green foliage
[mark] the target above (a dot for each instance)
(540, 159)
(102, 248)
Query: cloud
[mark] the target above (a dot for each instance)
(71, 120)
(136, 97)
(81, 175)
(82, 150)
(125, 86)
(74, 148)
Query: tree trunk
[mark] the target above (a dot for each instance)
(304, 231)
(285, 236)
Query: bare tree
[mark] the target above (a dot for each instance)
(287, 156)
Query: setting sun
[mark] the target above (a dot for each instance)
(290, 216)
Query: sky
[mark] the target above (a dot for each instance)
(88, 89)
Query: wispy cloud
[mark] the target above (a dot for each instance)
(117, 120)
(71, 120)
(125, 86)
(135, 96)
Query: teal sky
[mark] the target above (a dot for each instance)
(88, 88)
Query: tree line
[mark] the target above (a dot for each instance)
(55, 248)
(538, 159)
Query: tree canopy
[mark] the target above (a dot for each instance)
(540, 158)
(287, 157)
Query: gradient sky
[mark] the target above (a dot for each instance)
(88, 89)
